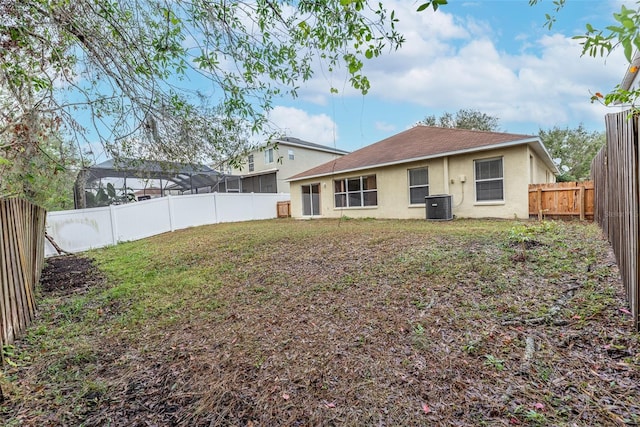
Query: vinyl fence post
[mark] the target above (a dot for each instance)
(170, 208)
(114, 224)
(215, 208)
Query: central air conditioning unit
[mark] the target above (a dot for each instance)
(439, 207)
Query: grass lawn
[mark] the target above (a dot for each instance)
(336, 322)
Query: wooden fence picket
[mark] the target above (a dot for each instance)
(562, 200)
(22, 234)
(615, 174)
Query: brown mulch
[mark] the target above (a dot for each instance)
(69, 274)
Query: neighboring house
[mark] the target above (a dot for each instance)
(487, 174)
(266, 169)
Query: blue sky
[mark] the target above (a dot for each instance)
(492, 56)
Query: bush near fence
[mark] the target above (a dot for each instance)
(615, 174)
(22, 227)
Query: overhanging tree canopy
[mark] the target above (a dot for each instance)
(129, 66)
(463, 119)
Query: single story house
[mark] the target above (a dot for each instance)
(266, 168)
(486, 173)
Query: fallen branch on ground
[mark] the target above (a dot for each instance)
(55, 245)
(529, 351)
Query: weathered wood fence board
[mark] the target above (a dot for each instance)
(562, 199)
(22, 228)
(615, 173)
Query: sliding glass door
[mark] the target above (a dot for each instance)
(311, 200)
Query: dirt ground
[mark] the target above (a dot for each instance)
(69, 274)
(444, 337)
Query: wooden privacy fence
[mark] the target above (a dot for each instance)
(562, 200)
(22, 234)
(615, 173)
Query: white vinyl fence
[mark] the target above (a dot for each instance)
(83, 229)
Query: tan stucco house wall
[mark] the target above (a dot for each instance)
(452, 174)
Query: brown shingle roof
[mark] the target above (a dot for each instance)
(419, 142)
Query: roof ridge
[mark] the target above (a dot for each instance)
(302, 142)
(418, 143)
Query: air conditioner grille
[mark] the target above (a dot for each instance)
(439, 207)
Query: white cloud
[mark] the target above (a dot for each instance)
(448, 63)
(317, 99)
(294, 122)
(384, 126)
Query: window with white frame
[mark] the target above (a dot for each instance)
(354, 192)
(251, 163)
(291, 155)
(489, 180)
(418, 185)
(268, 156)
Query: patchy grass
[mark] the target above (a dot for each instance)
(327, 322)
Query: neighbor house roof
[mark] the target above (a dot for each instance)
(296, 142)
(421, 143)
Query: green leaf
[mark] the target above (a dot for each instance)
(438, 3)
(628, 23)
(423, 6)
(628, 48)
(111, 191)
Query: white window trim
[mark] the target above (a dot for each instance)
(476, 180)
(417, 186)
(291, 155)
(319, 198)
(355, 208)
(490, 203)
(251, 163)
(346, 193)
(268, 161)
